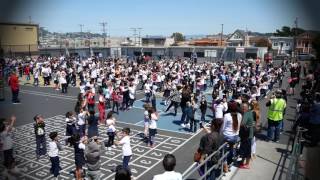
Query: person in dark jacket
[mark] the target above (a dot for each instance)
(203, 109)
(92, 155)
(209, 143)
(39, 131)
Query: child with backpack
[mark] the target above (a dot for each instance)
(39, 131)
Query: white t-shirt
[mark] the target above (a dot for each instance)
(53, 149)
(219, 109)
(6, 139)
(153, 121)
(110, 125)
(227, 129)
(126, 147)
(81, 119)
(168, 175)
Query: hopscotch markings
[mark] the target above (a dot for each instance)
(178, 147)
(142, 161)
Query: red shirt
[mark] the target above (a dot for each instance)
(14, 82)
(27, 70)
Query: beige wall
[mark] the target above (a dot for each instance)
(17, 38)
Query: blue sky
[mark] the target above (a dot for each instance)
(160, 17)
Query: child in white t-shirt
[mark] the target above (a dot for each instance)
(126, 147)
(111, 130)
(152, 126)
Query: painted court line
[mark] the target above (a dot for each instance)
(171, 152)
(186, 133)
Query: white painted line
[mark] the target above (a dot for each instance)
(40, 92)
(52, 96)
(171, 152)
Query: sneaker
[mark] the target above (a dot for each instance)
(114, 146)
(188, 125)
(183, 125)
(109, 148)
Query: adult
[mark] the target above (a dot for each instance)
(14, 85)
(93, 154)
(209, 143)
(230, 130)
(169, 163)
(276, 106)
(246, 135)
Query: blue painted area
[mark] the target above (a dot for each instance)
(168, 121)
(133, 115)
(141, 102)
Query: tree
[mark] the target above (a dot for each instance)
(287, 31)
(178, 37)
(263, 42)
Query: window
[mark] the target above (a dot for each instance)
(275, 44)
(200, 54)
(187, 54)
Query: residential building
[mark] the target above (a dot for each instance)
(209, 41)
(154, 41)
(304, 42)
(281, 45)
(238, 38)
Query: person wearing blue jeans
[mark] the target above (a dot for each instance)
(274, 128)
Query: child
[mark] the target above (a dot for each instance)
(153, 116)
(191, 114)
(146, 107)
(71, 127)
(101, 107)
(54, 148)
(126, 147)
(203, 109)
(153, 98)
(79, 148)
(81, 123)
(6, 145)
(111, 130)
(39, 131)
(93, 125)
(115, 100)
(36, 77)
(90, 100)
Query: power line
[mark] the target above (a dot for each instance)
(81, 26)
(104, 24)
(134, 35)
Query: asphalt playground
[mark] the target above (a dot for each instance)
(146, 161)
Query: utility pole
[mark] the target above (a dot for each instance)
(295, 37)
(139, 36)
(134, 35)
(221, 34)
(81, 26)
(104, 24)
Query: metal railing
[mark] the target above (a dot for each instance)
(195, 167)
(293, 169)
